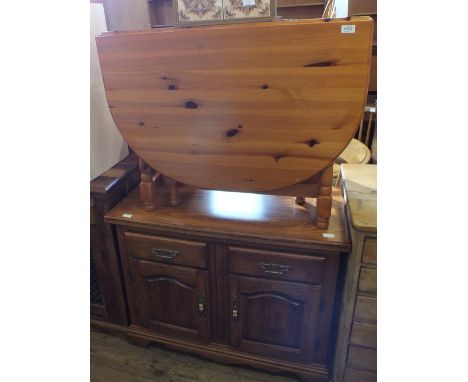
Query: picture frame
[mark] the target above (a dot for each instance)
(204, 12)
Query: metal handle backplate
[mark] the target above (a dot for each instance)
(201, 305)
(276, 269)
(235, 309)
(166, 254)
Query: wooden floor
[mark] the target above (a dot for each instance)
(114, 359)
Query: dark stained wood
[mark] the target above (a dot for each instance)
(274, 318)
(298, 3)
(156, 248)
(257, 218)
(301, 12)
(362, 7)
(235, 247)
(161, 13)
(106, 191)
(373, 73)
(171, 300)
(287, 266)
(316, 79)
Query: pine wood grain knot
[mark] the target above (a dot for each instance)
(312, 142)
(191, 105)
(320, 64)
(277, 157)
(231, 133)
(224, 86)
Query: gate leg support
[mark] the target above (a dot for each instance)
(324, 199)
(147, 186)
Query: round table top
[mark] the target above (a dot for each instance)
(245, 107)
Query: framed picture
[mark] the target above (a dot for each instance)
(190, 12)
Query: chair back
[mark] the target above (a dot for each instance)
(370, 122)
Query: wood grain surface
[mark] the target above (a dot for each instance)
(245, 107)
(230, 215)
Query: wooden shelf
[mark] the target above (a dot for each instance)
(299, 3)
(161, 13)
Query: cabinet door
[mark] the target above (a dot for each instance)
(170, 300)
(274, 318)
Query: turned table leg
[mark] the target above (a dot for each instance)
(147, 186)
(324, 199)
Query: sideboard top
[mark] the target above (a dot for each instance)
(232, 215)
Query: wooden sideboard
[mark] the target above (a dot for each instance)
(238, 278)
(108, 306)
(356, 350)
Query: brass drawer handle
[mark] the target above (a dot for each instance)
(276, 269)
(166, 254)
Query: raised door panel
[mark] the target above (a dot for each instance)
(170, 300)
(274, 318)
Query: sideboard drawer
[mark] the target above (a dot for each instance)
(278, 265)
(166, 250)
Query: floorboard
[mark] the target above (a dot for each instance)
(114, 359)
